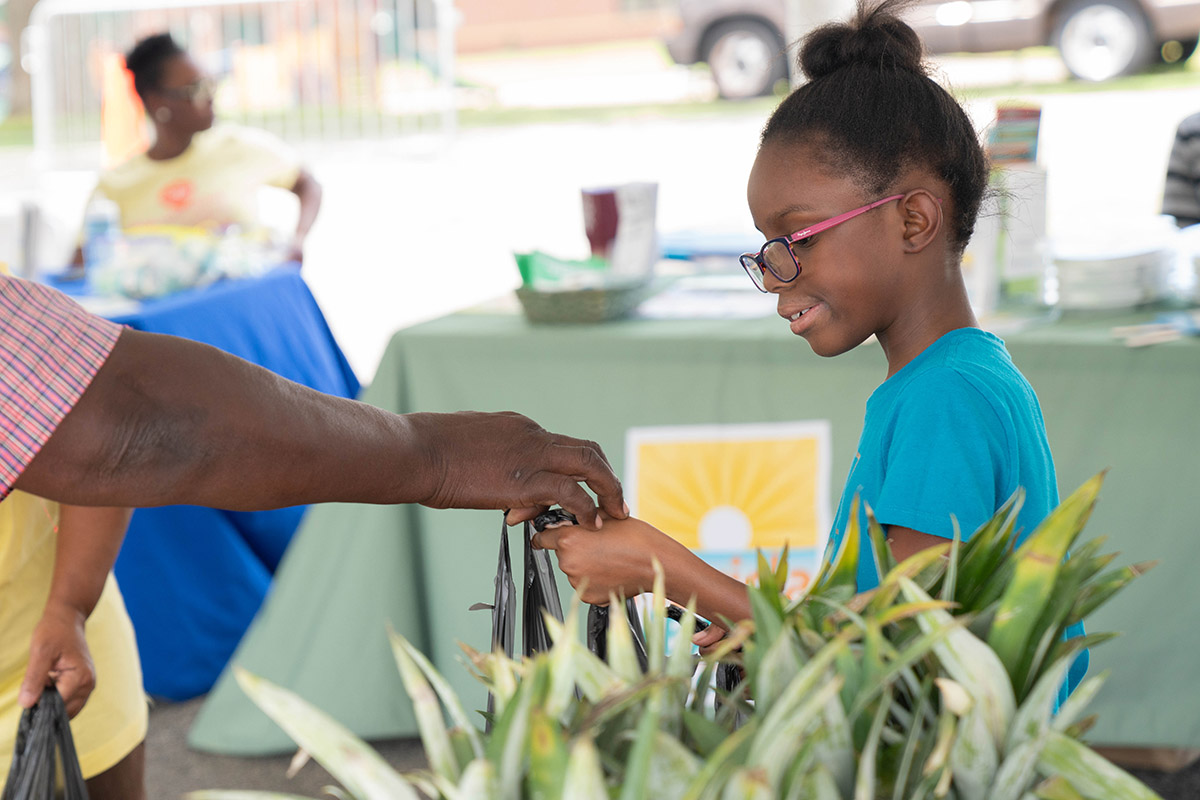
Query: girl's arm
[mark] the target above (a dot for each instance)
(619, 560)
(906, 542)
(88, 542)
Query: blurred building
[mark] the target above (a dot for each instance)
(306, 69)
(502, 24)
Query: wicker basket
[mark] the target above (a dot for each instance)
(584, 305)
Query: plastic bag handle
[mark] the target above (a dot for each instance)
(43, 741)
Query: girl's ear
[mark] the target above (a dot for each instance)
(922, 219)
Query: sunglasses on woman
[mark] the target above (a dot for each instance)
(197, 92)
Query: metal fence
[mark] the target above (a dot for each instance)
(308, 70)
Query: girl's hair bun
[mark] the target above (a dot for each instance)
(876, 38)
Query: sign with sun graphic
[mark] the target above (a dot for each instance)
(728, 491)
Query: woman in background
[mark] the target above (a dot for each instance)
(196, 174)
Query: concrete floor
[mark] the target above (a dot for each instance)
(172, 768)
(1183, 784)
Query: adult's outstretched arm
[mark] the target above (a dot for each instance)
(167, 420)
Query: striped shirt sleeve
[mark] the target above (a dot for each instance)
(50, 349)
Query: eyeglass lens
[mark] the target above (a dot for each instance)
(754, 271)
(778, 256)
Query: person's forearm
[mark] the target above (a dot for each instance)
(309, 192)
(167, 420)
(88, 542)
(718, 596)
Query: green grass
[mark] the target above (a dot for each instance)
(1159, 77)
(16, 131)
(1183, 74)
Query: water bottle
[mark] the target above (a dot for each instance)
(101, 230)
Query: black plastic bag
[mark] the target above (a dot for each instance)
(43, 744)
(728, 674)
(597, 632)
(598, 616)
(504, 611)
(504, 604)
(541, 594)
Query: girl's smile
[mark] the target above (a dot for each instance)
(799, 315)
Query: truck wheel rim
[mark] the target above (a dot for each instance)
(740, 62)
(1099, 42)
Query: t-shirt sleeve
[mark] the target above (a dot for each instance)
(50, 349)
(269, 156)
(945, 457)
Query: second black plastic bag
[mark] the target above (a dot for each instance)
(43, 744)
(540, 597)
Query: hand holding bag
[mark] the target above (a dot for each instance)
(541, 595)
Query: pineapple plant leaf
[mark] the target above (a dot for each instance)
(941, 683)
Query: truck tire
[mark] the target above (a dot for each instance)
(1102, 39)
(747, 58)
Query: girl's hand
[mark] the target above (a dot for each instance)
(59, 653)
(617, 560)
(708, 638)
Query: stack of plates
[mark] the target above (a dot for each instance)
(1113, 282)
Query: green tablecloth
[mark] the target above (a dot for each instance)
(353, 569)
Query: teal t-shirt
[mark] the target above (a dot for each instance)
(951, 436)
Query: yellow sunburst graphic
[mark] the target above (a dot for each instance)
(733, 488)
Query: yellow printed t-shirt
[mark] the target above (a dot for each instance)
(212, 184)
(115, 718)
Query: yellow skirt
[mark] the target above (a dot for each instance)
(114, 720)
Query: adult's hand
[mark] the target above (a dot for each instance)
(59, 653)
(506, 460)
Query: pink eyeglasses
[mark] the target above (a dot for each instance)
(777, 256)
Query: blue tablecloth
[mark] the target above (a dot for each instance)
(193, 578)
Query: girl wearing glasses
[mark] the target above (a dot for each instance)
(867, 184)
(196, 174)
